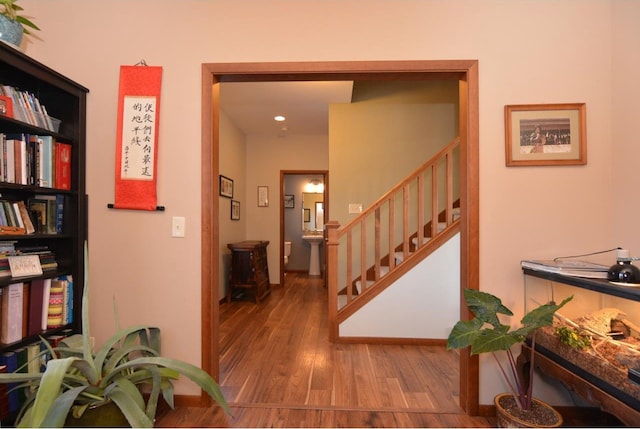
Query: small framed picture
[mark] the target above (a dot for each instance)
(307, 215)
(545, 134)
(235, 210)
(289, 201)
(6, 106)
(226, 187)
(263, 196)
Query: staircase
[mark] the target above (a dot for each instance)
(391, 236)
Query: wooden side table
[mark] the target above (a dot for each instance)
(249, 268)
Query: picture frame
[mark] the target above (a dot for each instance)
(263, 196)
(235, 210)
(545, 134)
(226, 187)
(289, 201)
(6, 106)
(306, 215)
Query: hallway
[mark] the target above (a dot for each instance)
(277, 368)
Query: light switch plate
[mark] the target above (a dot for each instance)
(355, 208)
(177, 226)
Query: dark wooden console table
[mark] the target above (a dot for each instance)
(249, 268)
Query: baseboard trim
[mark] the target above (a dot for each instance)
(394, 341)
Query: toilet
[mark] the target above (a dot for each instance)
(287, 253)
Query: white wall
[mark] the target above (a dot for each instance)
(530, 51)
(266, 157)
(424, 303)
(233, 160)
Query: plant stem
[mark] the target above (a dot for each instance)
(508, 379)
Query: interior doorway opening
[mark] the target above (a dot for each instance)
(298, 217)
(465, 72)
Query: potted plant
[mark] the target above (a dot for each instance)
(485, 333)
(12, 24)
(123, 372)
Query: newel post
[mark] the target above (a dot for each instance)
(332, 277)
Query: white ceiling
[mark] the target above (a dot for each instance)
(251, 106)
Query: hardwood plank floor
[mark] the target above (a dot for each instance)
(278, 369)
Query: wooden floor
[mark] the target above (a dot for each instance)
(278, 369)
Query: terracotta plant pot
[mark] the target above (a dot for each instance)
(541, 415)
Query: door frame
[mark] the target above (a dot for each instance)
(464, 71)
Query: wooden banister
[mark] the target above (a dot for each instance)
(354, 271)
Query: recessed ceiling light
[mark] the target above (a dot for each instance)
(279, 118)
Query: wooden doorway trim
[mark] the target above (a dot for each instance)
(465, 71)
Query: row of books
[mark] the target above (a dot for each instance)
(47, 260)
(43, 214)
(37, 160)
(27, 108)
(33, 307)
(31, 358)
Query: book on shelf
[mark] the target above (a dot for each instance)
(12, 313)
(47, 213)
(62, 174)
(23, 362)
(35, 159)
(51, 224)
(4, 403)
(45, 305)
(46, 157)
(27, 108)
(38, 208)
(26, 296)
(26, 218)
(56, 303)
(36, 305)
(569, 267)
(10, 360)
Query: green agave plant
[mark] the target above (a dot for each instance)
(486, 334)
(76, 378)
(10, 9)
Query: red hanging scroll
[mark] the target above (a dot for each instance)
(137, 138)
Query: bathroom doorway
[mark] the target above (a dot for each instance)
(301, 191)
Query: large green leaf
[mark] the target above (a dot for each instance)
(113, 342)
(60, 408)
(464, 333)
(485, 306)
(542, 315)
(49, 389)
(491, 340)
(134, 415)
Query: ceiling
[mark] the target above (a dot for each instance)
(251, 106)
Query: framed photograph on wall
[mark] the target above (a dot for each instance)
(307, 215)
(545, 134)
(263, 196)
(226, 187)
(289, 201)
(235, 210)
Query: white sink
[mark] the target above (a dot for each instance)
(314, 258)
(313, 238)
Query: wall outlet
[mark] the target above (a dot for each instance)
(177, 226)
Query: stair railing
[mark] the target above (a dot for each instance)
(367, 254)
